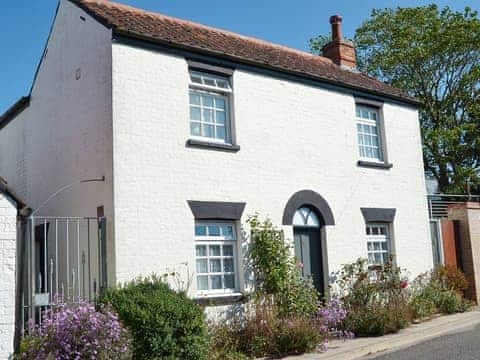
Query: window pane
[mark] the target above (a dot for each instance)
(207, 101)
(228, 265)
(371, 259)
(384, 246)
(195, 79)
(209, 82)
(227, 231)
(220, 132)
(207, 131)
(215, 265)
(220, 117)
(385, 258)
(229, 281)
(216, 281)
(201, 250)
(200, 230)
(368, 230)
(202, 282)
(195, 129)
(219, 103)
(222, 84)
(195, 113)
(370, 246)
(207, 115)
(382, 230)
(376, 246)
(202, 266)
(213, 230)
(227, 250)
(214, 250)
(378, 258)
(194, 99)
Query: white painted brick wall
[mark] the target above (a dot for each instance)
(292, 137)
(8, 241)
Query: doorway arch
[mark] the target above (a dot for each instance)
(309, 213)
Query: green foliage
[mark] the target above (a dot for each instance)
(422, 307)
(377, 304)
(277, 273)
(439, 291)
(263, 332)
(433, 55)
(164, 324)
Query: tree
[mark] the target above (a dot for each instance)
(433, 55)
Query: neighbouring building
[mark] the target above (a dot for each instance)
(195, 128)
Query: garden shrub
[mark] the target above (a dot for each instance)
(262, 332)
(450, 278)
(276, 272)
(77, 331)
(165, 324)
(443, 287)
(376, 305)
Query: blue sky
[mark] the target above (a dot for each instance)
(24, 26)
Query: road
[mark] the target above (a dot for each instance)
(459, 346)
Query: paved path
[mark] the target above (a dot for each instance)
(460, 346)
(369, 348)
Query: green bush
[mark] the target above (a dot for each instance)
(422, 307)
(276, 272)
(164, 324)
(376, 304)
(442, 287)
(449, 302)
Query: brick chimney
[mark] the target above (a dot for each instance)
(339, 50)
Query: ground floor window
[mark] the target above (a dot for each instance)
(215, 257)
(378, 243)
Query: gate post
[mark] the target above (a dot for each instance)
(8, 257)
(467, 216)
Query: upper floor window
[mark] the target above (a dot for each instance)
(369, 141)
(209, 107)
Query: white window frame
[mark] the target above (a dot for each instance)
(214, 91)
(370, 122)
(221, 241)
(378, 239)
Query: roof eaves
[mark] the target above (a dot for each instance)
(150, 39)
(14, 110)
(21, 205)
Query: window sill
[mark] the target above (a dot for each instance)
(220, 299)
(212, 145)
(375, 165)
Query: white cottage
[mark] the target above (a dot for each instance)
(194, 128)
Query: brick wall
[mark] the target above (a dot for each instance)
(8, 239)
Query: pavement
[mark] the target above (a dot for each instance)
(375, 347)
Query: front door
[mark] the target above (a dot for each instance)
(308, 251)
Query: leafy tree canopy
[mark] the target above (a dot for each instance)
(434, 55)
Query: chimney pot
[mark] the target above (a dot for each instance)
(336, 22)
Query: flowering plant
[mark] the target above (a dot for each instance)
(76, 331)
(330, 319)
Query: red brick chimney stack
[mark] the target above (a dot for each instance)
(339, 50)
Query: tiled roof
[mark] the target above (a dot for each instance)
(137, 23)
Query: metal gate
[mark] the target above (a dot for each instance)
(64, 260)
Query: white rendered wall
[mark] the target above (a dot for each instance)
(292, 137)
(65, 135)
(8, 242)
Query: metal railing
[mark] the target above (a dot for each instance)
(438, 203)
(65, 260)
